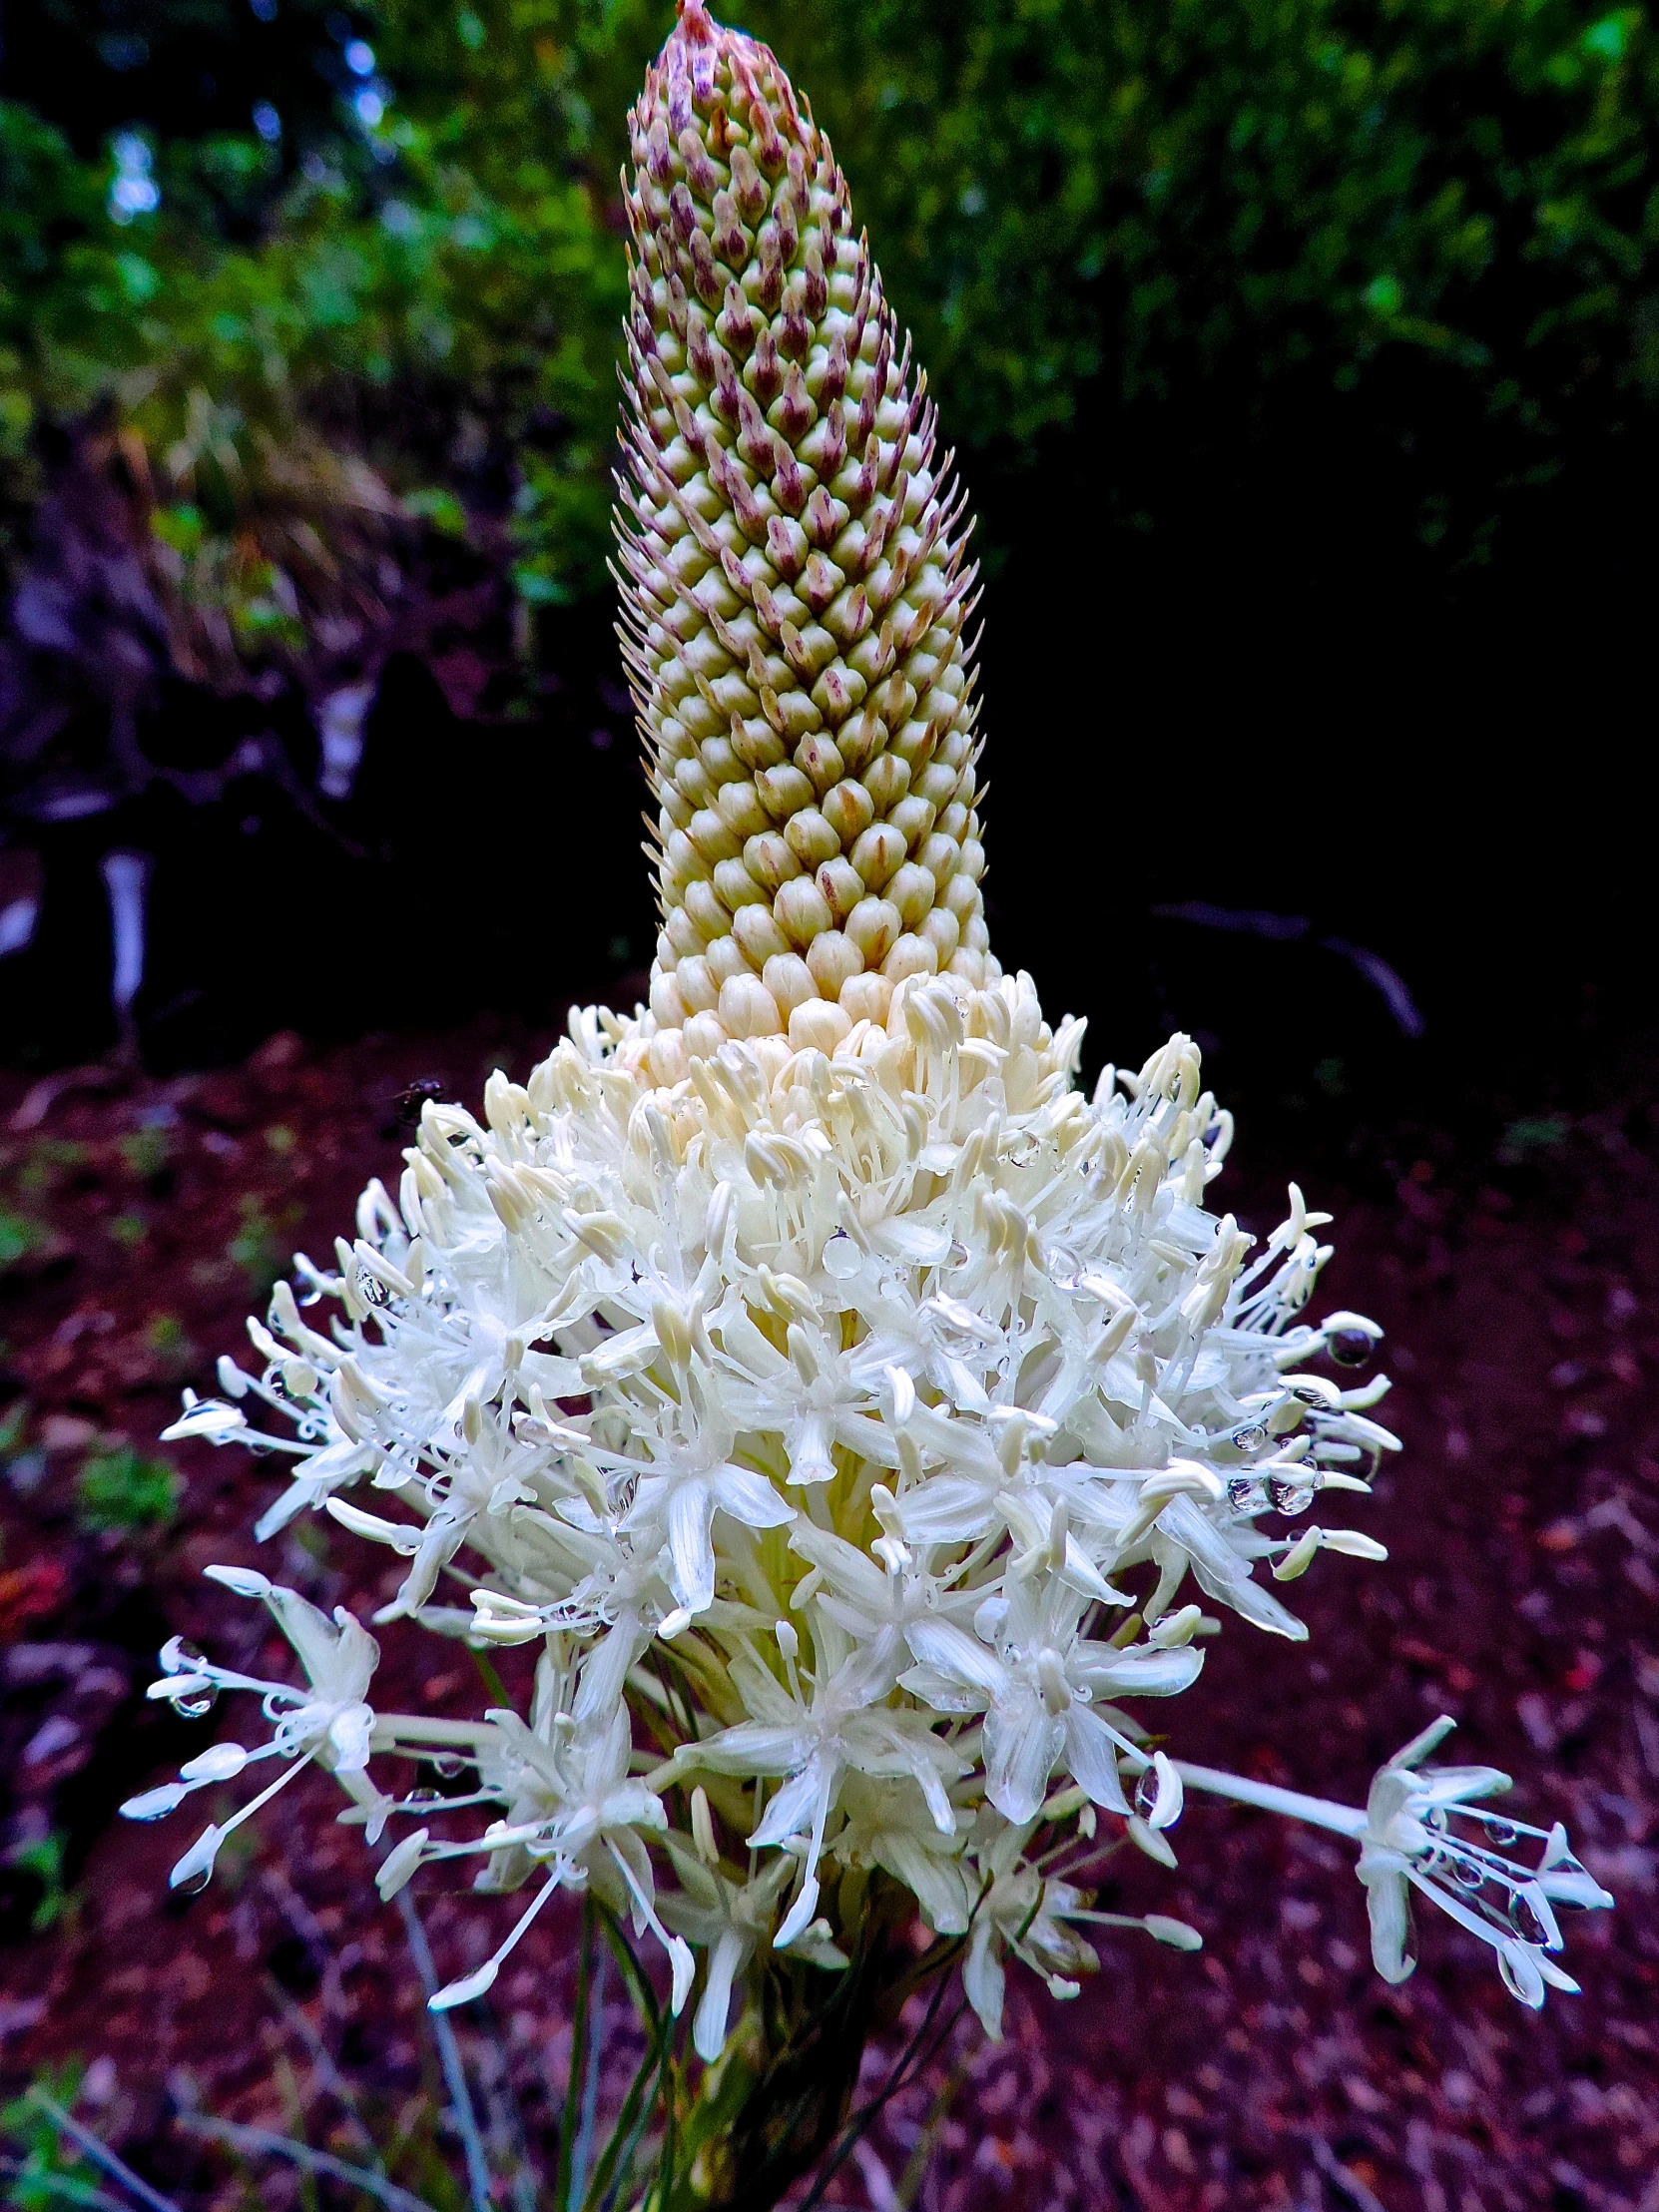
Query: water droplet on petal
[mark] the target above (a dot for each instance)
(841, 1257)
(1146, 1793)
(1246, 1494)
(1501, 1832)
(1290, 1495)
(1250, 1438)
(198, 1703)
(1350, 1347)
(1525, 1919)
(1471, 1875)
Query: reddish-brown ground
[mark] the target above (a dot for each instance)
(1520, 1291)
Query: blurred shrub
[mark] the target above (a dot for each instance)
(398, 300)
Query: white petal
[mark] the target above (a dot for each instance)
(1518, 1964)
(799, 1915)
(683, 1968)
(1388, 1903)
(751, 1498)
(1166, 1806)
(984, 1981)
(709, 2026)
(1092, 1759)
(689, 1510)
(942, 1645)
(1021, 1746)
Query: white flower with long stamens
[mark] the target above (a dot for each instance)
(1423, 1829)
(330, 1722)
(853, 1411)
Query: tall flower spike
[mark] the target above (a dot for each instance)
(795, 597)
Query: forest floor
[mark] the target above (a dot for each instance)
(1517, 1277)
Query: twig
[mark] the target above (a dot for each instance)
(99, 2152)
(449, 2058)
(266, 2140)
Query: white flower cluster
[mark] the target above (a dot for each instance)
(847, 1426)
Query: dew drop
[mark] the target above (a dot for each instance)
(446, 1764)
(181, 1657)
(1146, 1793)
(1246, 1494)
(1503, 1833)
(1350, 1347)
(1289, 1497)
(194, 1883)
(1525, 1919)
(1471, 1875)
(841, 1257)
(198, 1703)
(1250, 1438)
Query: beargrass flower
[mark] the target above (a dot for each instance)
(847, 1406)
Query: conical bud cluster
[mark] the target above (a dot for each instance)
(796, 599)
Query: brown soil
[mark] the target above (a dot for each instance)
(1520, 1294)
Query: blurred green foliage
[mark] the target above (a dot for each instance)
(415, 314)
(16, 1237)
(50, 2171)
(123, 1490)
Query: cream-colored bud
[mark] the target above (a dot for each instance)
(866, 997)
(811, 839)
(913, 891)
(841, 885)
(699, 988)
(849, 809)
(878, 854)
(747, 1008)
(790, 982)
(910, 956)
(756, 929)
(834, 960)
(703, 1035)
(816, 1024)
(874, 926)
(943, 932)
(803, 910)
